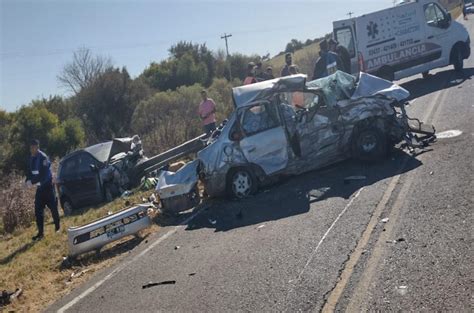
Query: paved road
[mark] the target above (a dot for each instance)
(315, 243)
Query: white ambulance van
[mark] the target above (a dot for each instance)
(410, 38)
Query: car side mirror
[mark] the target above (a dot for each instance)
(449, 17)
(94, 168)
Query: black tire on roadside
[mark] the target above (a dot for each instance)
(369, 144)
(67, 206)
(241, 182)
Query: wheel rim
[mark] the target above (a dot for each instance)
(241, 184)
(368, 142)
(67, 208)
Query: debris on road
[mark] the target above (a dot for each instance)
(431, 173)
(191, 274)
(402, 290)
(318, 193)
(261, 226)
(385, 220)
(449, 134)
(176, 247)
(166, 282)
(347, 180)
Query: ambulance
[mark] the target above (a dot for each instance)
(404, 40)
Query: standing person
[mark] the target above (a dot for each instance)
(207, 113)
(464, 9)
(343, 53)
(269, 73)
(328, 62)
(39, 174)
(260, 75)
(250, 78)
(285, 71)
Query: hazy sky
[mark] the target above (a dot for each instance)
(38, 37)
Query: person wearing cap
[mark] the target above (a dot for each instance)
(39, 174)
(260, 75)
(343, 53)
(269, 73)
(250, 78)
(207, 113)
(328, 62)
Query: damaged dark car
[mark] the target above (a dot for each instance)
(98, 173)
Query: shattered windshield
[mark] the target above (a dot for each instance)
(100, 151)
(338, 86)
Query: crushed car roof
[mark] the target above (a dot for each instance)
(245, 95)
(335, 87)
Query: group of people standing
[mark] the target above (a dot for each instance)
(332, 57)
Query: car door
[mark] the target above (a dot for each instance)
(88, 182)
(319, 128)
(264, 139)
(68, 179)
(437, 35)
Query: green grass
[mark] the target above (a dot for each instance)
(38, 268)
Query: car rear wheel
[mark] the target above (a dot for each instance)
(67, 206)
(369, 144)
(241, 183)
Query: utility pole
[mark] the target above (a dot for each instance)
(350, 14)
(225, 36)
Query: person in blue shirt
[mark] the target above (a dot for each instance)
(39, 174)
(328, 62)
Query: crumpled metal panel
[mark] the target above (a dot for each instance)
(369, 85)
(247, 94)
(172, 184)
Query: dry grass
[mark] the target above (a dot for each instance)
(304, 58)
(38, 268)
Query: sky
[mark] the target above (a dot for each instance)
(38, 37)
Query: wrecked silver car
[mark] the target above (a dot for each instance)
(288, 126)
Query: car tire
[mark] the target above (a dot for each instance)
(369, 144)
(67, 206)
(458, 59)
(426, 74)
(108, 196)
(241, 183)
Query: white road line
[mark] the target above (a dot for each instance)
(125, 264)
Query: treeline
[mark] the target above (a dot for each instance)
(295, 44)
(105, 102)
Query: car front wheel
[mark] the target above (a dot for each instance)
(67, 207)
(241, 183)
(369, 144)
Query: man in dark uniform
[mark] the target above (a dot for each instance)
(39, 174)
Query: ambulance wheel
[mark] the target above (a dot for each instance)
(369, 144)
(67, 206)
(458, 60)
(386, 73)
(241, 182)
(426, 74)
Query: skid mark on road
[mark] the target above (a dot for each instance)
(125, 264)
(315, 250)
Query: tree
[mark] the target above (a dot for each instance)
(63, 108)
(33, 122)
(106, 106)
(83, 70)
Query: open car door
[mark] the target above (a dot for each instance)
(264, 139)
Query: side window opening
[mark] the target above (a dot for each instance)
(259, 118)
(345, 38)
(433, 14)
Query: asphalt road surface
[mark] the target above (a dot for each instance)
(316, 243)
